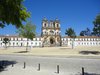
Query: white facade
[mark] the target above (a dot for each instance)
(81, 41)
(16, 41)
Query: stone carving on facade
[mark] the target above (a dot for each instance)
(51, 30)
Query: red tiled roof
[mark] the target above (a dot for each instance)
(83, 37)
(16, 36)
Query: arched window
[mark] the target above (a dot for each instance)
(57, 25)
(45, 25)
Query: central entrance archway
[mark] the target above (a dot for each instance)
(52, 41)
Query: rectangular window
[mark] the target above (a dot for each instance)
(96, 43)
(21, 44)
(13, 43)
(17, 39)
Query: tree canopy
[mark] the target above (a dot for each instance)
(86, 32)
(12, 12)
(28, 31)
(5, 41)
(96, 29)
(70, 32)
(82, 33)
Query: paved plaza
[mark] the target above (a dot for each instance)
(48, 65)
(70, 61)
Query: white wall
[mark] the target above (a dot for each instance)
(37, 42)
(18, 42)
(82, 41)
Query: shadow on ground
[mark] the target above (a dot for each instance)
(5, 63)
(91, 74)
(89, 52)
(21, 52)
(87, 74)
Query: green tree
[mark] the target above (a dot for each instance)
(82, 33)
(71, 33)
(5, 41)
(86, 32)
(96, 29)
(12, 12)
(28, 31)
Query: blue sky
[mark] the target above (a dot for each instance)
(78, 14)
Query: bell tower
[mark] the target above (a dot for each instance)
(57, 32)
(44, 32)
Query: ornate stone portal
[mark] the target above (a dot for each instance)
(52, 41)
(51, 33)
